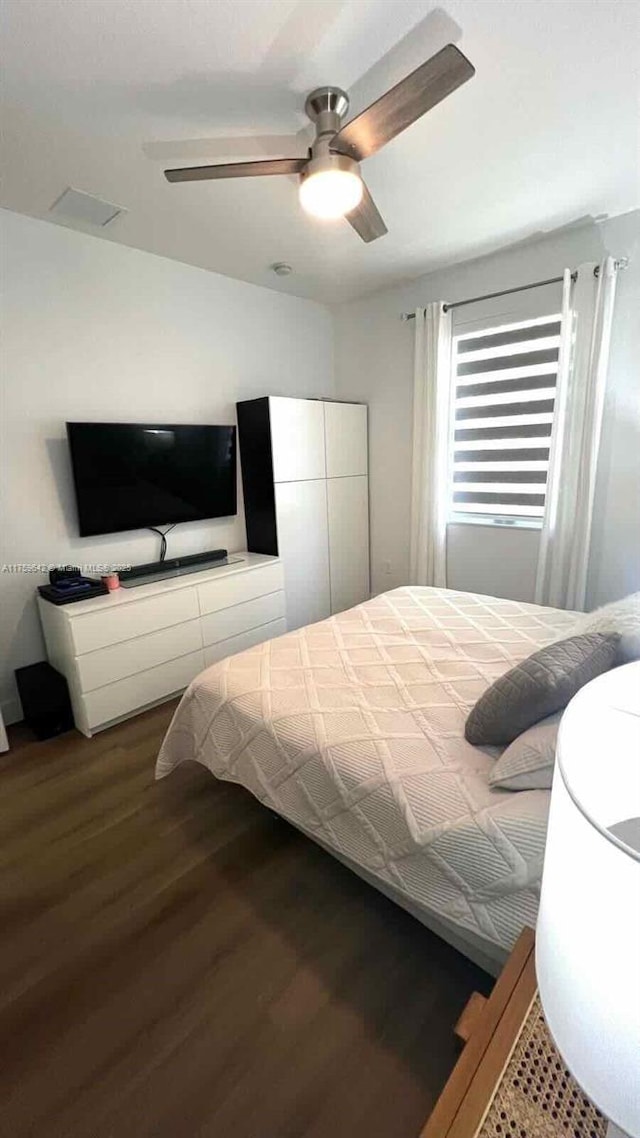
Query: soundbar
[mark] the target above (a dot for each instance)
(173, 566)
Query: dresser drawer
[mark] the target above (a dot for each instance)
(239, 587)
(133, 694)
(106, 665)
(235, 644)
(241, 618)
(123, 622)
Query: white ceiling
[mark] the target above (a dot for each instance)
(546, 132)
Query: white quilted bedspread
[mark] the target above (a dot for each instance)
(353, 729)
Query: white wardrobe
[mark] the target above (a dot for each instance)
(306, 493)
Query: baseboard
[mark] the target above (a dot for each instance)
(11, 710)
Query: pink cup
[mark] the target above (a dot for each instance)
(112, 581)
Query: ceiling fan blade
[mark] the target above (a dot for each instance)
(421, 42)
(237, 170)
(238, 147)
(404, 103)
(366, 218)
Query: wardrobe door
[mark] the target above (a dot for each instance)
(303, 545)
(346, 439)
(297, 439)
(348, 510)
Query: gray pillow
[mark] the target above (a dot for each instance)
(622, 617)
(540, 685)
(528, 762)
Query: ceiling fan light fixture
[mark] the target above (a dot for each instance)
(331, 186)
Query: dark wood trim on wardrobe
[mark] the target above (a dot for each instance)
(254, 436)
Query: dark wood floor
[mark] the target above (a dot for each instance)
(176, 962)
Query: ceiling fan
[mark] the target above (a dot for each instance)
(331, 185)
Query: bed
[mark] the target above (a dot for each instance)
(352, 729)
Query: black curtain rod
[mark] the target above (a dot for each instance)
(620, 264)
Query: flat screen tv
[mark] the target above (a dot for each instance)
(133, 475)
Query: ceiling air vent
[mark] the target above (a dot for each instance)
(74, 205)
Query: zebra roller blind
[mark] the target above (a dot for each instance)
(505, 388)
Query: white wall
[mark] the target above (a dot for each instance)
(374, 362)
(99, 331)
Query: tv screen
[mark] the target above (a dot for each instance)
(134, 475)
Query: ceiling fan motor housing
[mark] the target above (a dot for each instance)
(322, 162)
(326, 107)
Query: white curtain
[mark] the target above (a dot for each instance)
(587, 314)
(431, 446)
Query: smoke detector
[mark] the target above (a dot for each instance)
(281, 269)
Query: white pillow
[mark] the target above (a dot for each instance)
(527, 763)
(622, 617)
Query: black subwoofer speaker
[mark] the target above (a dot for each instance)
(45, 700)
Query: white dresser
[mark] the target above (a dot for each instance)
(306, 496)
(139, 646)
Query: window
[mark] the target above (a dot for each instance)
(504, 396)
